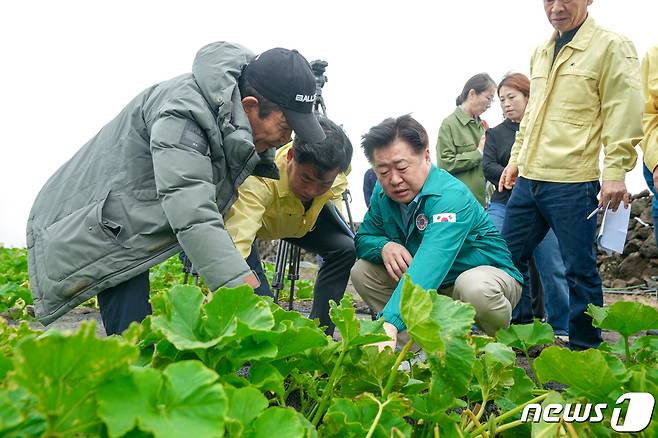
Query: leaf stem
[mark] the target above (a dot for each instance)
(509, 426)
(474, 419)
(509, 414)
(627, 348)
(329, 389)
(380, 411)
(398, 361)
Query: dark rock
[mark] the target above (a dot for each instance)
(649, 272)
(618, 284)
(648, 248)
(632, 246)
(646, 216)
(633, 266)
(634, 282)
(643, 194)
(638, 206)
(643, 232)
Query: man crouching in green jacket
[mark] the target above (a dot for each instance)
(160, 176)
(424, 222)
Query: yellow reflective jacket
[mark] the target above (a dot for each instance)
(268, 210)
(588, 98)
(650, 119)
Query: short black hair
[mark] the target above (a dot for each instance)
(404, 127)
(265, 106)
(334, 152)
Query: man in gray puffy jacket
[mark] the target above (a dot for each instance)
(159, 177)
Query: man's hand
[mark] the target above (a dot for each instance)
(614, 192)
(481, 145)
(396, 259)
(251, 279)
(655, 178)
(392, 332)
(508, 177)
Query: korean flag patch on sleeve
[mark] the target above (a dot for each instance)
(444, 217)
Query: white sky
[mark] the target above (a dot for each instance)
(68, 67)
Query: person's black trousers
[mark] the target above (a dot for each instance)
(333, 241)
(124, 303)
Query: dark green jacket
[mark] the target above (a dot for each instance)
(457, 151)
(154, 180)
(449, 233)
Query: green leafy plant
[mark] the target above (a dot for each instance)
(626, 318)
(234, 364)
(526, 336)
(15, 292)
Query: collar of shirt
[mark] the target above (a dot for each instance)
(580, 39)
(464, 118)
(514, 126)
(406, 210)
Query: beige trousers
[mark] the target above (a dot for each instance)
(492, 292)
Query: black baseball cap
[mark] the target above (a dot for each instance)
(284, 77)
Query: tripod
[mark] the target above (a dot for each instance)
(290, 254)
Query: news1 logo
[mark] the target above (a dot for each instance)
(638, 414)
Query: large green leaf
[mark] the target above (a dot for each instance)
(624, 317)
(266, 377)
(645, 350)
(64, 371)
(418, 313)
(451, 370)
(355, 332)
(238, 307)
(354, 418)
(370, 373)
(281, 423)
(643, 379)
(494, 369)
(181, 401)
(524, 336)
(244, 404)
(18, 414)
(451, 374)
(517, 394)
(6, 365)
(292, 333)
(592, 374)
(177, 315)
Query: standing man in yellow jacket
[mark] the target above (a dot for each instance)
(584, 94)
(298, 208)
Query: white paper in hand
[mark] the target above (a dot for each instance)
(612, 235)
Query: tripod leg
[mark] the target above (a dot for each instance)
(187, 268)
(279, 268)
(293, 272)
(347, 199)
